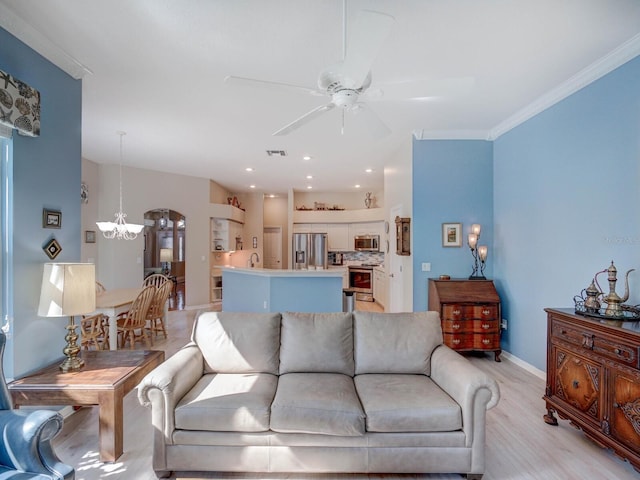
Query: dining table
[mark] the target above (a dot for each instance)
(112, 303)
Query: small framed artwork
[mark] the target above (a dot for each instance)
(52, 248)
(451, 234)
(89, 236)
(51, 218)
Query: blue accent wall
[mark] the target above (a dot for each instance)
(46, 173)
(247, 292)
(567, 199)
(452, 183)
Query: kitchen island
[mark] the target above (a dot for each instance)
(271, 290)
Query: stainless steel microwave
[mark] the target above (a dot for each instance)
(367, 243)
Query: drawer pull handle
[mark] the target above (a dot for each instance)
(486, 326)
(456, 341)
(486, 312)
(486, 341)
(455, 326)
(576, 384)
(456, 312)
(616, 351)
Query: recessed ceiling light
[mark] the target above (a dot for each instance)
(309, 177)
(272, 196)
(369, 170)
(309, 187)
(252, 186)
(249, 169)
(357, 186)
(306, 157)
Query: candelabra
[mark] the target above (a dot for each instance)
(479, 253)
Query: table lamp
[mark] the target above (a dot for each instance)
(166, 257)
(68, 289)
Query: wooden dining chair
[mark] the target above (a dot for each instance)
(155, 314)
(94, 330)
(100, 288)
(155, 279)
(131, 324)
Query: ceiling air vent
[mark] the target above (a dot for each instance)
(276, 153)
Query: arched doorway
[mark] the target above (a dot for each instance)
(164, 245)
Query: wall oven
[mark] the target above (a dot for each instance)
(361, 282)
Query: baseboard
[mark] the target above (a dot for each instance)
(524, 365)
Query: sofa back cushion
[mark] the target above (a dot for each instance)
(316, 343)
(234, 342)
(395, 342)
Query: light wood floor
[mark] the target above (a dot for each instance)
(520, 446)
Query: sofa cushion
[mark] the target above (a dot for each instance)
(238, 342)
(317, 342)
(395, 342)
(322, 403)
(230, 402)
(406, 403)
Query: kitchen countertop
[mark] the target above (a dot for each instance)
(272, 272)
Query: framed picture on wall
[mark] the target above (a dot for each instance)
(452, 234)
(51, 218)
(89, 236)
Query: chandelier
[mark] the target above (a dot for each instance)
(120, 229)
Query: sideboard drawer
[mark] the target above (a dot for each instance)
(458, 341)
(489, 341)
(485, 326)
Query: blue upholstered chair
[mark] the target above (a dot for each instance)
(25, 439)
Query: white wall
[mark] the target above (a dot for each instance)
(398, 192)
(89, 213)
(119, 262)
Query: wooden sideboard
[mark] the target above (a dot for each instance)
(593, 379)
(470, 314)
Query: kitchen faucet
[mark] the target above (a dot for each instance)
(251, 259)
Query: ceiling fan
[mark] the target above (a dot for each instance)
(347, 84)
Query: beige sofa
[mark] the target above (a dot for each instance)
(331, 392)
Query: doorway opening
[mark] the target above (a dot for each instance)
(272, 250)
(164, 250)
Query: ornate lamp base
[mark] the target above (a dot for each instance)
(72, 363)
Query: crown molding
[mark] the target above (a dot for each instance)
(621, 55)
(422, 134)
(27, 34)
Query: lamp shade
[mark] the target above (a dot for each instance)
(67, 289)
(166, 255)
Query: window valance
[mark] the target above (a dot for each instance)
(19, 105)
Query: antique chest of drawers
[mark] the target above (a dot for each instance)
(470, 314)
(593, 379)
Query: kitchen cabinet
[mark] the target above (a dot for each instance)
(216, 286)
(470, 314)
(380, 286)
(226, 235)
(338, 235)
(593, 379)
(366, 228)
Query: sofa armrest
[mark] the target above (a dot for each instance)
(163, 387)
(475, 391)
(26, 445)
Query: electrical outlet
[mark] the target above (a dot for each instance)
(426, 267)
(264, 305)
(503, 324)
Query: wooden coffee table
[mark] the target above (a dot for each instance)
(105, 379)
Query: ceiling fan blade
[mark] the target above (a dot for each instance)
(377, 128)
(306, 118)
(252, 82)
(425, 89)
(365, 39)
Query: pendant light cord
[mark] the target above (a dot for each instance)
(122, 134)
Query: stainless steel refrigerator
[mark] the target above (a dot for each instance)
(310, 251)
